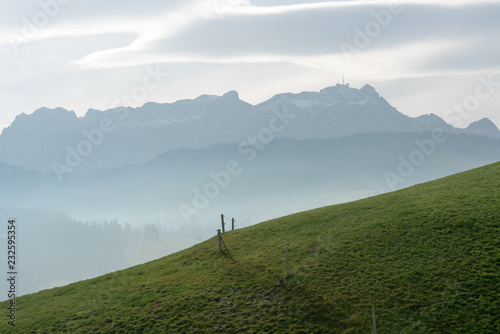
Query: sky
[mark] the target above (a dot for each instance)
(440, 57)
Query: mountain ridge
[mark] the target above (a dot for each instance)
(137, 135)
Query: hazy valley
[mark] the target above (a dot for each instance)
(178, 166)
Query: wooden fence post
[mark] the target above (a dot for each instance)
(374, 321)
(287, 263)
(219, 238)
(232, 224)
(222, 220)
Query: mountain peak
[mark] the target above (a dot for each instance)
(233, 95)
(369, 90)
(50, 120)
(483, 127)
(44, 111)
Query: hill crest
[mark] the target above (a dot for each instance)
(425, 257)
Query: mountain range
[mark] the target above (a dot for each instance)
(56, 140)
(178, 166)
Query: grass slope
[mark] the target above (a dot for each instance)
(427, 257)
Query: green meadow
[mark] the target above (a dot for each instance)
(426, 257)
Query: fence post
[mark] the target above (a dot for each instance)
(219, 238)
(232, 224)
(374, 321)
(222, 220)
(287, 263)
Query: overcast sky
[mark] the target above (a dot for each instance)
(422, 56)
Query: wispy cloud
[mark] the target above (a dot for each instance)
(256, 34)
(95, 39)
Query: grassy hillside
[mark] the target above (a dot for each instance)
(426, 257)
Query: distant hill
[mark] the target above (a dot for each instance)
(49, 139)
(54, 249)
(165, 164)
(286, 176)
(483, 127)
(170, 191)
(426, 257)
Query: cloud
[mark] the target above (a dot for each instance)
(315, 31)
(232, 31)
(101, 41)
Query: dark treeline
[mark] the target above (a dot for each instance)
(54, 249)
